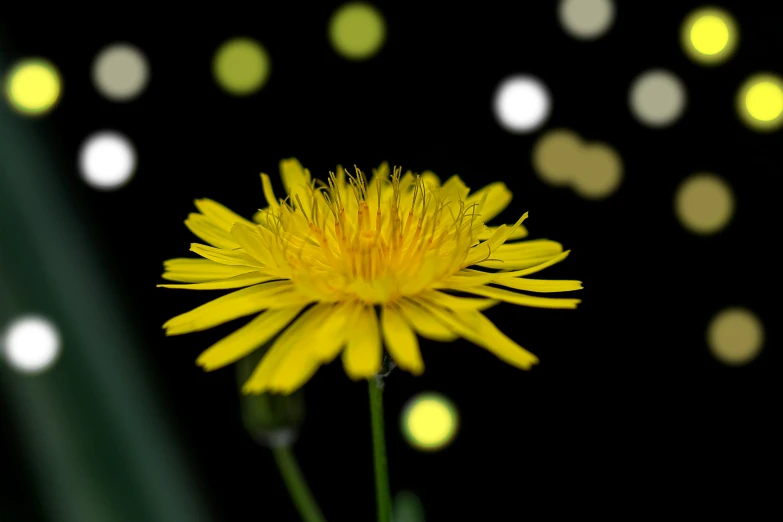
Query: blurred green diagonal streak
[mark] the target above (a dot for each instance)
(97, 442)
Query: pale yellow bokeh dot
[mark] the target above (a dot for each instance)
(241, 66)
(735, 336)
(709, 36)
(33, 86)
(556, 156)
(600, 172)
(357, 30)
(704, 203)
(429, 421)
(760, 102)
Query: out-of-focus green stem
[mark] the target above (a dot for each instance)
(382, 492)
(297, 487)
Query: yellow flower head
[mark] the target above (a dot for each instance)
(316, 264)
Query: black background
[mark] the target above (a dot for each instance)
(626, 404)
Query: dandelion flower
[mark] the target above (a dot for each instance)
(354, 264)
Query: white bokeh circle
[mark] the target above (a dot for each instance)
(107, 160)
(31, 344)
(522, 103)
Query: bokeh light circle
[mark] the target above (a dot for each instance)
(709, 35)
(120, 72)
(600, 172)
(241, 66)
(522, 103)
(657, 98)
(31, 344)
(704, 203)
(33, 86)
(760, 102)
(357, 31)
(557, 156)
(586, 19)
(107, 160)
(735, 336)
(429, 421)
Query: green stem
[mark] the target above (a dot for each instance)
(297, 487)
(382, 492)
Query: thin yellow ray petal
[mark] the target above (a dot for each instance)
(269, 193)
(218, 213)
(519, 233)
(424, 323)
(488, 247)
(331, 335)
(536, 268)
(497, 198)
(509, 265)
(454, 302)
(260, 379)
(196, 270)
(533, 248)
(225, 257)
(476, 328)
(363, 356)
(401, 340)
(296, 181)
(239, 281)
(522, 299)
(250, 239)
(539, 285)
(248, 338)
(209, 231)
(277, 294)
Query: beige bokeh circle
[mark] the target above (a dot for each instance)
(704, 203)
(735, 336)
(556, 156)
(657, 98)
(600, 172)
(120, 72)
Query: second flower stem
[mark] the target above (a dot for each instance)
(382, 492)
(300, 493)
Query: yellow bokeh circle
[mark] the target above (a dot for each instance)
(704, 203)
(33, 86)
(709, 35)
(735, 336)
(429, 421)
(357, 31)
(760, 102)
(241, 66)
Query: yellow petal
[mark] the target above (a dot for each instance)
(250, 239)
(260, 380)
(539, 285)
(401, 341)
(248, 338)
(492, 199)
(195, 270)
(296, 181)
(269, 193)
(487, 248)
(363, 356)
(454, 302)
(209, 231)
(534, 248)
(331, 335)
(237, 304)
(522, 299)
(519, 233)
(221, 215)
(252, 278)
(476, 328)
(424, 323)
(225, 257)
(471, 277)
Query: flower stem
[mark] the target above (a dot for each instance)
(382, 492)
(297, 487)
